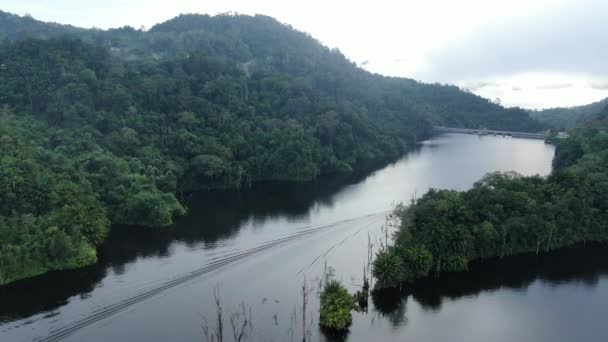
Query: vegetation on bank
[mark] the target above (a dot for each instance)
(109, 127)
(505, 214)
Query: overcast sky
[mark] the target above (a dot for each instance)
(529, 53)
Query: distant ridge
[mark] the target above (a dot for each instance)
(568, 117)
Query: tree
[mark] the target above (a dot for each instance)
(388, 269)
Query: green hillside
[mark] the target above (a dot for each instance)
(568, 117)
(110, 127)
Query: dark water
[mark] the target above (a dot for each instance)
(259, 246)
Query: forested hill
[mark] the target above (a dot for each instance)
(13, 27)
(599, 121)
(568, 117)
(260, 45)
(101, 127)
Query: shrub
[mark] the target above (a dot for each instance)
(389, 269)
(417, 260)
(361, 298)
(336, 304)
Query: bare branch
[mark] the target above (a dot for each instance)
(219, 332)
(240, 321)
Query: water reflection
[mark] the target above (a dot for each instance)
(584, 266)
(219, 224)
(223, 214)
(47, 292)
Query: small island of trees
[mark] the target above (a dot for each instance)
(504, 214)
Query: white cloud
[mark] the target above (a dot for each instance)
(602, 85)
(562, 85)
(525, 90)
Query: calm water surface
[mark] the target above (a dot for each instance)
(259, 246)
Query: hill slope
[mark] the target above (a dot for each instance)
(261, 45)
(568, 117)
(107, 127)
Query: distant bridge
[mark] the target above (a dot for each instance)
(526, 135)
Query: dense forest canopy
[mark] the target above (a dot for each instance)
(506, 214)
(568, 117)
(101, 127)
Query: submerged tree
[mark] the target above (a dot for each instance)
(241, 322)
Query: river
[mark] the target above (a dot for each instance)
(258, 247)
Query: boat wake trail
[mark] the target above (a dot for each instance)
(206, 271)
(323, 255)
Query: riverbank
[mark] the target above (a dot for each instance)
(134, 261)
(504, 214)
(86, 253)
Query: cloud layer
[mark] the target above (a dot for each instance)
(567, 38)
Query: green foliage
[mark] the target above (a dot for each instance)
(417, 261)
(106, 127)
(361, 297)
(505, 214)
(567, 153)
(388, 269)
(401, 263)
(50, 217)
(336, 304)
(569, 117)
